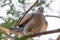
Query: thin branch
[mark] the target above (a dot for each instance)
(52, 16)
(37, 34)
(26, 13)
(47, 32)
(30, 35)
(47, 5)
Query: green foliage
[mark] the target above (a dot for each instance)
(4, 2)
(24, 37)
(2, 18)
(9, 23)
(21, 1)
(0, 36)
(12, 10)
(40, 3)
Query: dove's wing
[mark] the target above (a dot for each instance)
(26, 18)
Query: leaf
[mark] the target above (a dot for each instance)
(40, 3)
(0, 36)
(24, 37)
(21, 1)
(2, 18)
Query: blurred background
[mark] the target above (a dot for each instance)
(11, 10)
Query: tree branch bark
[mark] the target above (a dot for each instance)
(26, 13)
(37, 34)
(52, 16)
(3, 30)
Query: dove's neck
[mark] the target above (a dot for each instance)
(40, 13)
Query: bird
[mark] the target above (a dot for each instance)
(31, 23)
(34, 22)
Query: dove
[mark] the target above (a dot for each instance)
(34, 22)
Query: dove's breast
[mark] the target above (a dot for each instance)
(37, 19)
(37, 22)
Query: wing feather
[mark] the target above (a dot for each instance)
(26, 18)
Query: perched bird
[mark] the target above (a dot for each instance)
(31, 23)
(34, 22)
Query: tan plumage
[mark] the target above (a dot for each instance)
(34, 22)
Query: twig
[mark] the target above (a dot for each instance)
(37, 34)
(47, 32)
(52, 16)
(26, 13)
(30, 35)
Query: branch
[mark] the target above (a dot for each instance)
(8, 30)
(47, 32)
(26, 13)
(37, 34)
(52, 16)
(3, 30)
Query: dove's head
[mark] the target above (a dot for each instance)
(40, 10)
